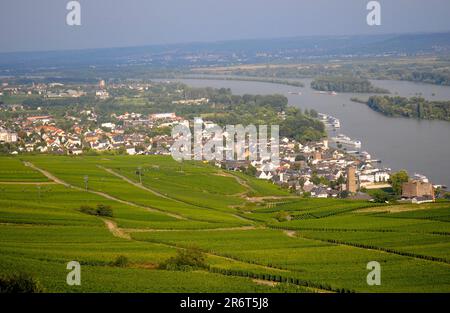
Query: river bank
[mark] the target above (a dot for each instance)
(420, 146)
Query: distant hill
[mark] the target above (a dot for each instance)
(232, 52)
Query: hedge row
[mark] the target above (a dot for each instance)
(278, 279)
(366, 246)
(332, 229)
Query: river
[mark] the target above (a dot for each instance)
(419, 146)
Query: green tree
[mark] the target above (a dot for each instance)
(315, 179)
(340, 181)
(379, 196)
(250, 170)
(302, 182)
(313, 113)
(186, 259)
(397, 179)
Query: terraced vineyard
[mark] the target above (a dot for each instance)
(255, 236)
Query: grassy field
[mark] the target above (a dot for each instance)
(160, 207)
(13, 170)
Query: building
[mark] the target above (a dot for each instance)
(45, 119)
(192, 101)
(351, 179)
(102, 94)
(417, 189)
(159, 116)
(7, 136)
(372, 177)
(317, 156)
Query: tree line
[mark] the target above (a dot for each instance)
(415, 107)
(345, 84)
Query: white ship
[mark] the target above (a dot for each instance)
(346, 140)
(330, 93)
(330, 121)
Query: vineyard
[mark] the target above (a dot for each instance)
(254, 236)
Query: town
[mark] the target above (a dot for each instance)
(312, 168)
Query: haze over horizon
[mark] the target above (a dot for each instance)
(41, 25)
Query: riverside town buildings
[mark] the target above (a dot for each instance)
(418, 191)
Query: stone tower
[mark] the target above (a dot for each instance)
(351, 179)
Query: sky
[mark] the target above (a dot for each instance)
(32, 25)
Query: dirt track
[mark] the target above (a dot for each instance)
(102, 194)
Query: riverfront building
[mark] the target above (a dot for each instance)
(419, 190)
(351, 179)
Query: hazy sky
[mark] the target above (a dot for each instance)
(41, 24)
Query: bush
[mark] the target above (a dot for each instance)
(20, 283)
(88, 210)
(100, 210)
(120, 261)
(380, 196)
(282, 216)
(306, 194)
(185, 260)
(104, 210)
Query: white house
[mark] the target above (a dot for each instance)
(6, 136)
(131, 150)
(264, 175)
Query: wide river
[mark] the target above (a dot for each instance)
(419, 146)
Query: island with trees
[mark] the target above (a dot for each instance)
(345, 84)
(414, 107)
